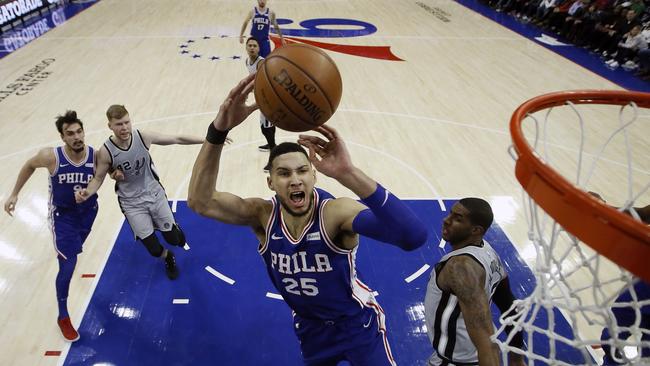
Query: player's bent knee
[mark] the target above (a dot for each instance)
(153, 245)
(175, 236)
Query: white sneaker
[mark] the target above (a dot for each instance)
(614, 64)
(610, 62)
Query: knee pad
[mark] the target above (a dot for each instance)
(153, 245)
(175, 236)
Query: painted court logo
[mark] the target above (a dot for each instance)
(28, 81)
(203, 47)
(335, 28)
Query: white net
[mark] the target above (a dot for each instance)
(584, 307)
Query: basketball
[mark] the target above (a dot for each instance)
(298, 87)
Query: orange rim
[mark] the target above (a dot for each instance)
(613, 234)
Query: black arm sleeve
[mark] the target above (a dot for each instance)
(503, 299)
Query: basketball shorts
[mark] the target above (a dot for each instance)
(435, 360)
(70, 228)
(147, 213)
(360, 339)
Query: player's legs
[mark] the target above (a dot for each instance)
(137, 215)
(142, 223)
(67, 234)
(62, 283)
(175, 236)
(163, 220)
(156, 249)
(268, 130)
(265, 47)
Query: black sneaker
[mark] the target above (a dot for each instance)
(267, 168)
(264, 147)
(170, 266)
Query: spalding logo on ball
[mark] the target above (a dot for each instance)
(298, 87)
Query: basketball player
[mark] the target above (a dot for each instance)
(261, 17)
(252, 63)
(462, 285)
(308, 239)
(71, 167)
(141, 196)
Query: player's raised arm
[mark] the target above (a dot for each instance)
(382, 216)
(102, 166)
(202, 196)
(44, 158)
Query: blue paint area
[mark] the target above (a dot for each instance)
(588, 60)
(36, 26)
(321, 27)
(131, 319)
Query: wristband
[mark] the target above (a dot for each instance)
(214, 136)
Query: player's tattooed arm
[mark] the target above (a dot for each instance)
(277, 28)
(465, 278)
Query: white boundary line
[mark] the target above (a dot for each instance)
(442, 243)
(220, 276)
(274, 296)
(181, 301)
(417, 273)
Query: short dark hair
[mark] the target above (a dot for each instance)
(67, 118)
(252, 39)
(480, 212)
(285, 148)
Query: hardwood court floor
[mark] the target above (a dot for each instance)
(433, 125)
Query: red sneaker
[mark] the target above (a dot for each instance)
(69, 333)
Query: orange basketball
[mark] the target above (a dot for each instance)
(298, 87)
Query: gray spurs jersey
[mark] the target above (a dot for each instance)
(444, 320)
(253, 67)
(140, 177)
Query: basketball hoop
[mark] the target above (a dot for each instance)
(615, 235)
(586, 252)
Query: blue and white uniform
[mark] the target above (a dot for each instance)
(336, 316)
(70, 222)
(260, 27)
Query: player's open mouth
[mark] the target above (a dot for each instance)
(297, 198)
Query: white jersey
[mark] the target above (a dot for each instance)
(140, 177)
(252, 67)
(444, 320)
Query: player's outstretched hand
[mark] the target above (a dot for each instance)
(234, 109)
(10, 205)
(331, 156)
